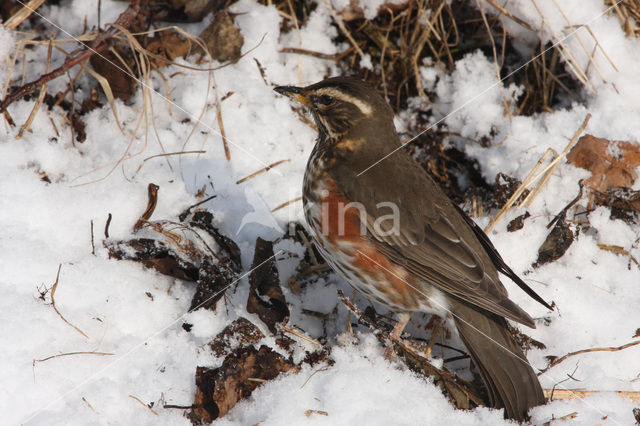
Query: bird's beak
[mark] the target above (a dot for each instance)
(293, 92)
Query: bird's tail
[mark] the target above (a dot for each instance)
(510, 380)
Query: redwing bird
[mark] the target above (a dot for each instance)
(428, 255)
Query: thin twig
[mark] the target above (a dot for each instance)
(93, 246)
(106, 226)
(582, 351)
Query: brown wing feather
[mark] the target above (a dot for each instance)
(435, 242)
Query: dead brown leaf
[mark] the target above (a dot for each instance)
(222, 38)
(239, 333)
(611, 163)
(219, 389)
(166, 46)
(109, 66)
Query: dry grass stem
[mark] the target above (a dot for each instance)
(572, 415)
(576, 393)
(308, 413)
(604, 52)
(325, 368)
(530, 179)
(223, 134)
(71, 354)
(518, 192)
(498, 65)
(168, 154)
(333, 57)
(297, 26)
(628, 12)
(53, 303)
(263, 170)
(26, 11)
(584, 48)
(286, 204)
(509, 15)
(142, 403)
(89, 405)
(618, 250)
(569, 58)
(343, 28)
(38, 103)
(300, 335)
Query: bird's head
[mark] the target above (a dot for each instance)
(340, 104)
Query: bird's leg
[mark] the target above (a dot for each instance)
(403, 319)
(436, 324)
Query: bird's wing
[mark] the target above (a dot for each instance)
(432, 238)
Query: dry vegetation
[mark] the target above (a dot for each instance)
(120, 57)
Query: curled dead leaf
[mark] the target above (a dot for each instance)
(265, 296)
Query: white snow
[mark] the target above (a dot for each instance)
(135, 315)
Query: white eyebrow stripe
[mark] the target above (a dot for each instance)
(364, 107)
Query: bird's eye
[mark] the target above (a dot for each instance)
(325, 100)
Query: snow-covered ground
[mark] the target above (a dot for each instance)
(133, 315)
